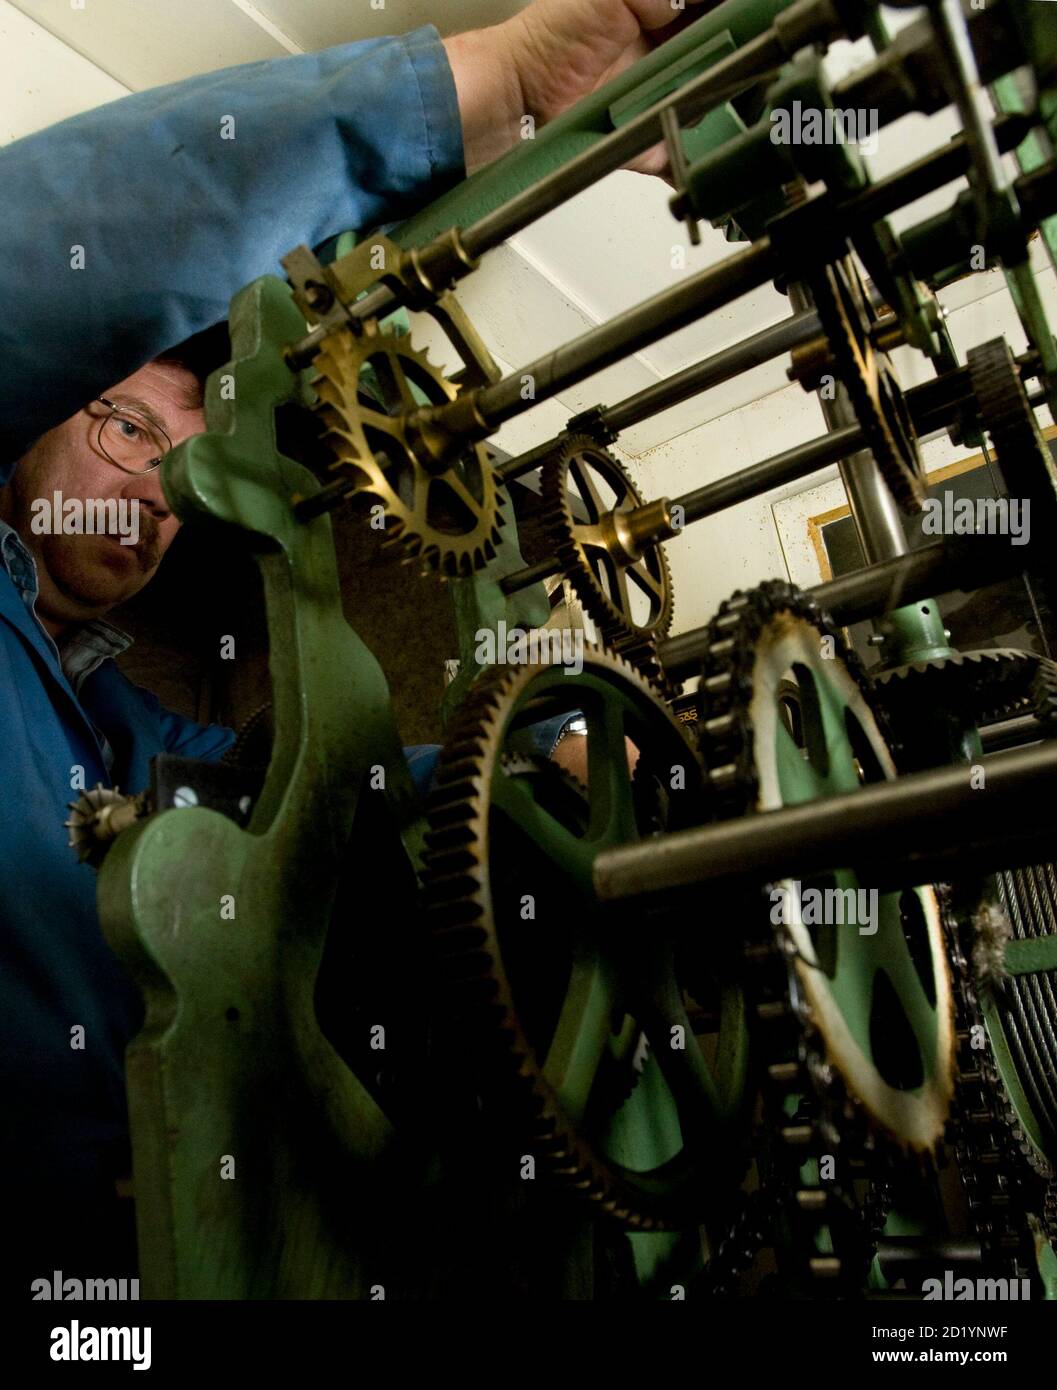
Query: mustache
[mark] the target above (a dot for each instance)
(147, 549)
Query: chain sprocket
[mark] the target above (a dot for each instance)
(449, 517)
(820, 1099)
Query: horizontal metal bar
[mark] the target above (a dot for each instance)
(636, 328)
(965, 563)
(1010, 733)
(895, 831)
(769, 473)
(532, 574)
(722, 366)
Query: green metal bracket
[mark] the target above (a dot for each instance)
(1007, 1069)
(479, 604)
(257, 1152)
(581, 127)
(1031, 956)
(914, 633)
(1029, 155)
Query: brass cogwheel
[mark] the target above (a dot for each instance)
(546, 984)
(876, 397)
(449, 517)
(625, 588)
(98, 817)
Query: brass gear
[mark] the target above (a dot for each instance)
(98, 817)
(866, 374)
(451, 517)
(545, 1004)
(594, 554)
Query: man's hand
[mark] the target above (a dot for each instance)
(549, 56)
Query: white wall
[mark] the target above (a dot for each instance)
(42, 79)
(602, 253)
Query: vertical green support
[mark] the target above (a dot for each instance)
(259, 1159)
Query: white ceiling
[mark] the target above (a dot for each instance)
(146, 43)
(603, 252)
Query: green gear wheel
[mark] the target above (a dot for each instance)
(819, 1101)
(786, 720)
(539, 998)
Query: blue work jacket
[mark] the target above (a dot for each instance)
(171, 219)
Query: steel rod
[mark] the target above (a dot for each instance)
(785, 467)
(873, 509)
(962, 563)
(753, 351)
(722, 366)
(894, 828)
(637, 328)
(532, 574)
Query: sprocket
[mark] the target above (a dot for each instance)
(875, 394)
(450, 517)
(624, 586)
(783, 719)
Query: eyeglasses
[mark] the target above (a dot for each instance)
(129, 440)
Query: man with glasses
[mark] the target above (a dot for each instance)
(124, 231)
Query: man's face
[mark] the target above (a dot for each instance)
(81, 576)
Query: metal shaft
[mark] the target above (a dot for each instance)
(900, 831)
(802, 23)
(761, 477)
(956, 563)
(656, 318)
(760, 347)
(870, 501)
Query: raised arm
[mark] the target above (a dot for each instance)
(128, 228)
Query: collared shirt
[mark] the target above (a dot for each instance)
(172, 221)
(83, 648)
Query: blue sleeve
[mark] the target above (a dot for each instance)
(422, 758)
(211, 741)
(172, 218)
(182, 736)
